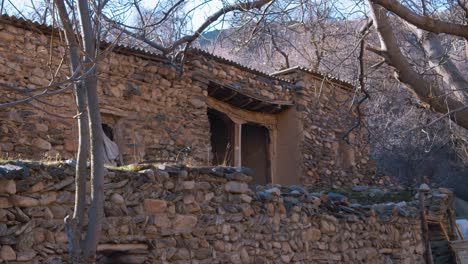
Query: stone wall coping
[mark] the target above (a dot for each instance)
(235, 181)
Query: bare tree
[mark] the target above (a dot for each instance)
(85, 58)
(441, 100)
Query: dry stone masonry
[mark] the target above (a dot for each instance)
(154, 111)
(179, 214)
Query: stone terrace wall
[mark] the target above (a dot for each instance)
(328, 159)
(202, 215)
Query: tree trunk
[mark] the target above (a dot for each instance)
(74, 226)
(442, 64)
(90, 37)
(432, 95)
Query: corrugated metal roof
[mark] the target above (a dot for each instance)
(316, 74)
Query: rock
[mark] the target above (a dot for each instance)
(298, 189)
(148, 173)
(37, 187)
(117, 199)
(424, 188)
(48, 198)
(238, 176)
(264, 196)
(246, 198)
(336, 197)
(162, 221)
(41, 144)
(41, 127)
(7, 146)
(26, 255)
(247, 210)
(376, 192)
(58, 211)
(184, 223)
(61, 237)
(197, 103)
(274, 191)
(10, 171)
(290, 202)
(188, 185)
(4, 202)
(359, 188)
(384, 211)
(23, 201)
(7, 186)
(327, 227)
(154, 206)
(236, 187)
(314, 199)
(312, 234)
(7, 253)
(181, 254)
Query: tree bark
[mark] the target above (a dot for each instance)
(90, 36)
(432, 95)
(442, 64)
(423, 22)
(75, 225)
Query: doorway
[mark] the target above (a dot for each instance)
(255, 152)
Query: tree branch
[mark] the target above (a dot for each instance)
(423, 22)
(407, 75)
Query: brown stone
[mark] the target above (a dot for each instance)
(7, 186)
(5, 202)
(58, 211)
(61, 237)
(197, 103)
(48, 198)
(7, 37)
(42, 127)
(7, 253)
(184, 223)
(154, 206)
(188, 185)
(181, 254)
(41, 144)
(26, 255)
(117, 199)
(312, 234)
(162, 221)
(236, 187)
(23, 201)
(38, 187)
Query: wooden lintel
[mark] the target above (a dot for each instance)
(238, 113)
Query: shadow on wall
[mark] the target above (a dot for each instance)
(441, 168)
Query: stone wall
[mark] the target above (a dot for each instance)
(177, 214)
(324, 106)
(157, 112)
(154, 114)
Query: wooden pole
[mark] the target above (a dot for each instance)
(425, 228)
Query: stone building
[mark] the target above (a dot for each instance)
(287, 126)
